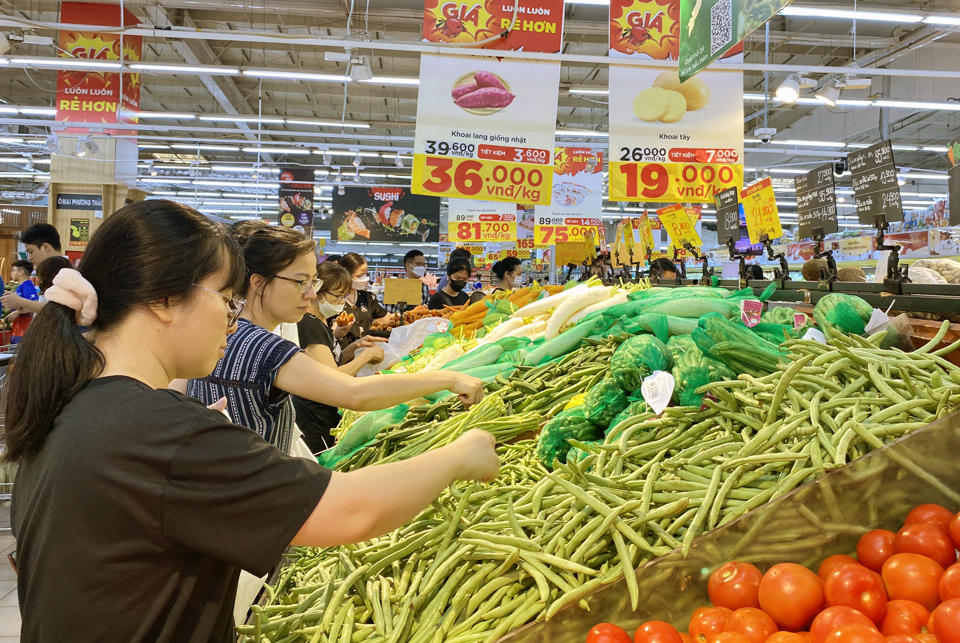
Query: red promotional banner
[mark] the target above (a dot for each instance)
(649, 28)
(538, 25)
(95, 96)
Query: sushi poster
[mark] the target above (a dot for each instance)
(385, 214)
(295, 207)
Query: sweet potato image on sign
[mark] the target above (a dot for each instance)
(485, 97)
(463, 90)
(486, 79)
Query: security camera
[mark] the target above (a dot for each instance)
(765, 134)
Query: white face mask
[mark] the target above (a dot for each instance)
(328, 310)
(360, 284)
(419, 271)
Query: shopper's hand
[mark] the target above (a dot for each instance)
(339, 332)
(12, 300)
(478, 455)
(372, 355)
(369, 341)
(220, 405)
(470, 389)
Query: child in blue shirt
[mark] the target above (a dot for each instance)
(20, 273)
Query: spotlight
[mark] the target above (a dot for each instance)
(399, 162)
(80, 150)
(789, 89)
(327, 158)
(356, 175)
(829, 93)
(339, 177)
(840, 167)
(91, 146)
(53, 144)
(29, 163)
(357, 160)
(361, 71)
(341, 191)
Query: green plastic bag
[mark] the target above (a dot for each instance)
(604, 402)
(635, 407)
(837, 315)
(363, 432)
(636, 359)
(782, 315)
(552, 442)
(693, 369)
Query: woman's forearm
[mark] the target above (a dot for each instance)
(352, 367)
(383, 391)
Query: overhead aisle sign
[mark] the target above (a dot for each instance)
(875, 186)
(669, 141)
(577, 198)
(538, 25)
(485, 129)
(680, 227)
(816, 202)
(760, 210)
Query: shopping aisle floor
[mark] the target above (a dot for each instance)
(9, 609)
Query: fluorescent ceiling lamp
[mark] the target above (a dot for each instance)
(275, 150)
(391, 80)
(922, 175)
(851, 102)
(38, 111)
(916, 104)
(150, 146)
(919, 202)
(935, 148)
(347, 153)
(226, 118)
(202, 146)
(942, 20)
(582, 133)
(601, 3)
(187, 69)
(294, 75)
(829, 93)
(7, 109)
(591, 91)
(11, 141)
(245, 168)
(858, 146)
(814, 12)
(290, 121)
(62, 63)
(172, 179)
(228, 184)
(19, 175)
(173, 115)
(809, 143)
(905, 148)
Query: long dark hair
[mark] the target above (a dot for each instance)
(351, 261)
(504, 266)
(145, 252)
(268, 249)
(335, 278)
(48, 269)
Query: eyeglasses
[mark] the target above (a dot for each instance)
(337, 299)
(235, 306)
(305, 284)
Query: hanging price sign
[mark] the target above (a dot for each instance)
(691, 182)
(530, 244)
(550, 230)
(519, 254)
(760, 209)
(646, 237)
(482, 227)
(678, 225)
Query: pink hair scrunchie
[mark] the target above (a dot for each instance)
(70, 289)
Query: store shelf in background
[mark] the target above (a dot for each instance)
(817, 520)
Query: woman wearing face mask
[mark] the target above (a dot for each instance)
(316, 339)
(509, 272)
(260, 371)
(136, 507)
(458, 273)
(362, 304)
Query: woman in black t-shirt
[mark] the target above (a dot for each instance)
(317, 339)
(458, 272)
(361, 303)
(135, 506)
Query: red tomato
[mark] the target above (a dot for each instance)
(707, 622)
(857, 587)
(735, 585)
(935, 515)
(608, 633)
(833, 617)
(656, 632)
(913, 577)
(946, 621)
(757, 626)
(904, 617)
(732, 637)
(927, 540)
(786, 637)
(806, 636)
(930, 627)
(830, 564)
(950, 583)
(875, 547)
(955, 530)
(792, 595)
(685, 637)
(925, 638)
(901, 638)
(856, 633)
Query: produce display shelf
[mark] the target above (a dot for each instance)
(819, 519)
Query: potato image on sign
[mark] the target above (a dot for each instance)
(651, 104)
(695, 91)
(669, 100)
(676, 107)
(481, 93)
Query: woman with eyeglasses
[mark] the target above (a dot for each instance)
(260, 371)
(136, 507)
(315, 420)
(361, 303)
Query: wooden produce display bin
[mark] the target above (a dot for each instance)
(817, 520)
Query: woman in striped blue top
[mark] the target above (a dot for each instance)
(260, 371)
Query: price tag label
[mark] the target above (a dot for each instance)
(549, 230)
(666, 182)
(678, 225)
(645, 230)
(482, 227)
(799, 321)
(750, 311)
(657, 390)
(482, 179)
(760, 208)
(519, 254)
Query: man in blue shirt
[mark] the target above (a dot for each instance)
(20, 273)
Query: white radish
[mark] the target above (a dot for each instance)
(536, 326)
(502, 330)
(615, 300)
(572, 305)
(541, 306)
(447, 354)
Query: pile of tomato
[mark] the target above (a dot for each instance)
(902, 587)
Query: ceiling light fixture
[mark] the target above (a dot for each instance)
(91, 146)
(942, 20)
(917, 104)
(61, 63)
(171, 115)
(53, 144)
(880, 16)
(80, 150)
(339, 177)
(294, 121)
(829, 93)
(38, 111)
(357, 161)
(187, 69)
(399, 163)
(340, 190)
(202, 146)
(293, 75)
(275, 150)
(228, 118)
(391, 80)
(327, 158)
(361, 71)
(789, 89)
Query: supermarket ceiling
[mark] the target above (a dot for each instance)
(261, 111)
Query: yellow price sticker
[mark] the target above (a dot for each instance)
(678, 225)
(666, 182)
(482, 230)
(566, 229)
(760, 208)
(485, 180)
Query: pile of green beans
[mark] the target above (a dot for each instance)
(484, 560)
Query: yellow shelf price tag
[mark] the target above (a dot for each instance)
(666, 182)
(482, 227)
(679, 227)
(485, 180)
(760, 208)
(555, 230)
